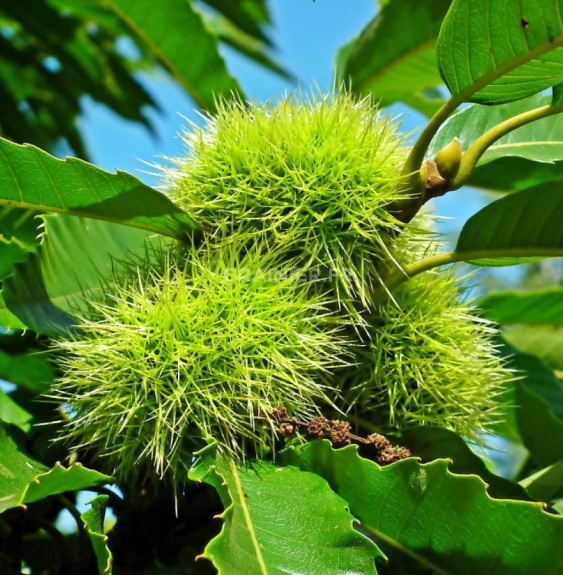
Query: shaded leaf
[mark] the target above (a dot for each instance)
(514, 174)
(515, 228)
(94, 524)
(540, 141)
(8, 320)
(493, 51)
(77, 257)
(543, 341)
(11, 412)
(176, 34)
(32, 179)
(18, 237)
(11, 253)
(51, 55)
(534, 307)
(19, 225)
(446, 522)
(431, 443)
(546, 483)
(23, 480)
(537, 398)
(247, 15)
(281, 520)
(557, 95)
(394, 57)
(251, 47)
(30, 370)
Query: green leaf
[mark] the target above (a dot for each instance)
(19, 225)
(247, 15)
(543, 341)
(11, 253)
(7, 319)
(176, 34)
(494, 51)
(557, 96)
(94, 524)
(11, 412)
(394, 57)
(540, 428)
(515, 228)
(535, 307)
(540, 141)
(281, 520)
(537, 398)
(27, 369)
(546, 483)
(41, 105)
(18, 231)
(431, 443)
(251, 47)
(24, 480)
(512, 174)
(446, 522)
(76, 258)
(32, 179)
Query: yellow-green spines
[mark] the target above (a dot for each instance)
(312, 177)
(209, 345)
(195, 353)
(428, 359)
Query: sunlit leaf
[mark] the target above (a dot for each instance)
(494, 51)
(177, 36)
(32, 179)
(446, 522)
(94, 524)
(431, 443)
(24, 480)
(543, 306)
(516, 228)
(281, 520)
(540, 141)
(76, 258)
(394, 57)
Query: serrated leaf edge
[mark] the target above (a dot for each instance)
(241, 500)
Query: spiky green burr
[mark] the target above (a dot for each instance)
(312, 177)
(428, 359)
(197, 352)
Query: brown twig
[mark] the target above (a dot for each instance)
(339, 432)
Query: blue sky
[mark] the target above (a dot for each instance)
(307, 35)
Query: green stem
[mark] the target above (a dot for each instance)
(479, 147)
(418, 151)
(395, 279)
(404, 211)
(411, 183)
